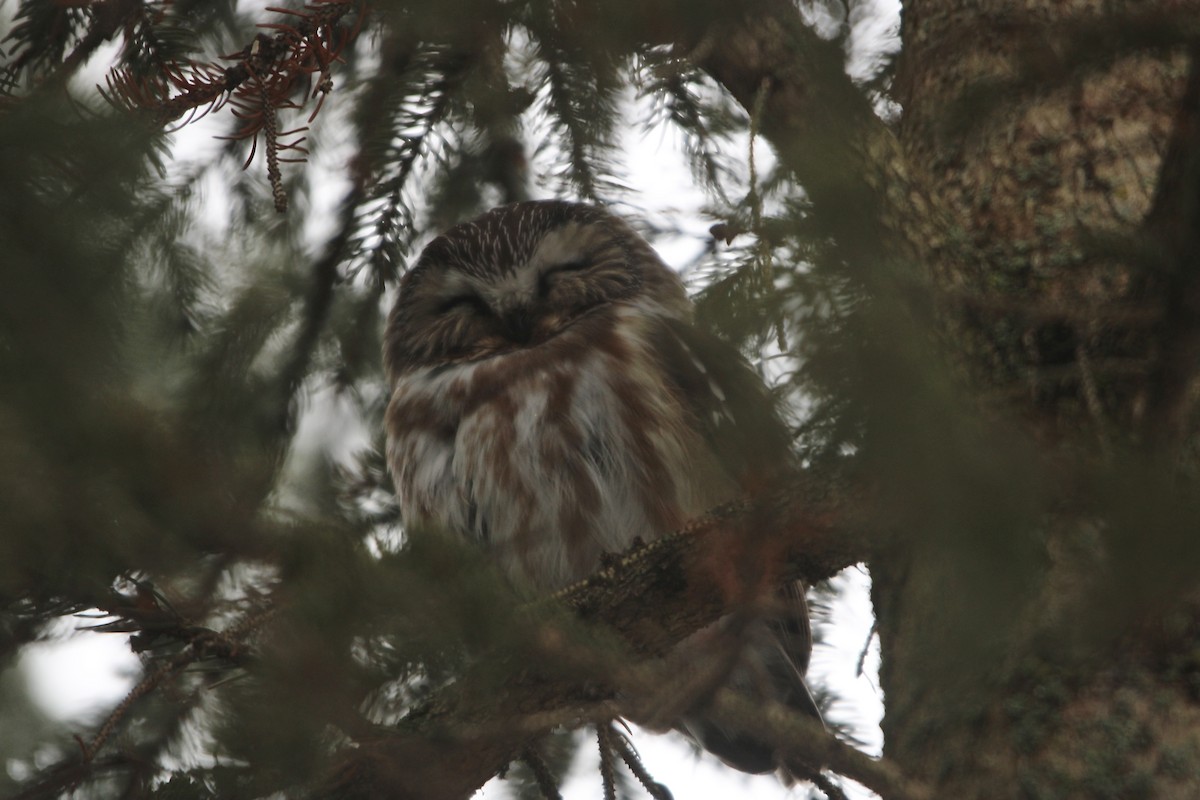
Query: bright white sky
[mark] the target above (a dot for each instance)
(78, 675)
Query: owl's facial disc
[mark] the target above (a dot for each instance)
(520, 276)
(529, 302)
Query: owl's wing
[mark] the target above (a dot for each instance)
(729, 402)
(738, 418)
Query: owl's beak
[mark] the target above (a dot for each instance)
(518, 324)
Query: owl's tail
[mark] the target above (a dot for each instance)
(771, 669)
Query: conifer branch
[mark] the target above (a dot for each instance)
(448, 747)
(541, 774)
(289, 60)
(281, 71)
(634, 762)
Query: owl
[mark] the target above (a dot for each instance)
(552, 400)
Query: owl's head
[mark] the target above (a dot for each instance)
(518, 276)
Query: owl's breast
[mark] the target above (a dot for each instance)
(554, 455)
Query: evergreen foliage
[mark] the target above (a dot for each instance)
(166, 331)
(160, 349)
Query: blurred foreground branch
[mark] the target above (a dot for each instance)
(466, 733)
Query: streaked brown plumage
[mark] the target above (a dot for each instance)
(552, 400)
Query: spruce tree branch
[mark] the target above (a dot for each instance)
(648, 600)
(110, 17)
(870, 197)
(317, 304)
(261, 56)
(541, 774)
(87, 764)
(107, 19)
(68, 776)
(634, 762)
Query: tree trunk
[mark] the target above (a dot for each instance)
(1039, 636)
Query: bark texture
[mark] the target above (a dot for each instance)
(1063, 663)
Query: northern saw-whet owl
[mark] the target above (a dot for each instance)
(552, 401)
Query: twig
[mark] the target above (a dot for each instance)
(824, 784)
(541, 774)
(861, 664)
(142, 689)
(655, 789)
(608, 776)
(203, 644)
(802, 739)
